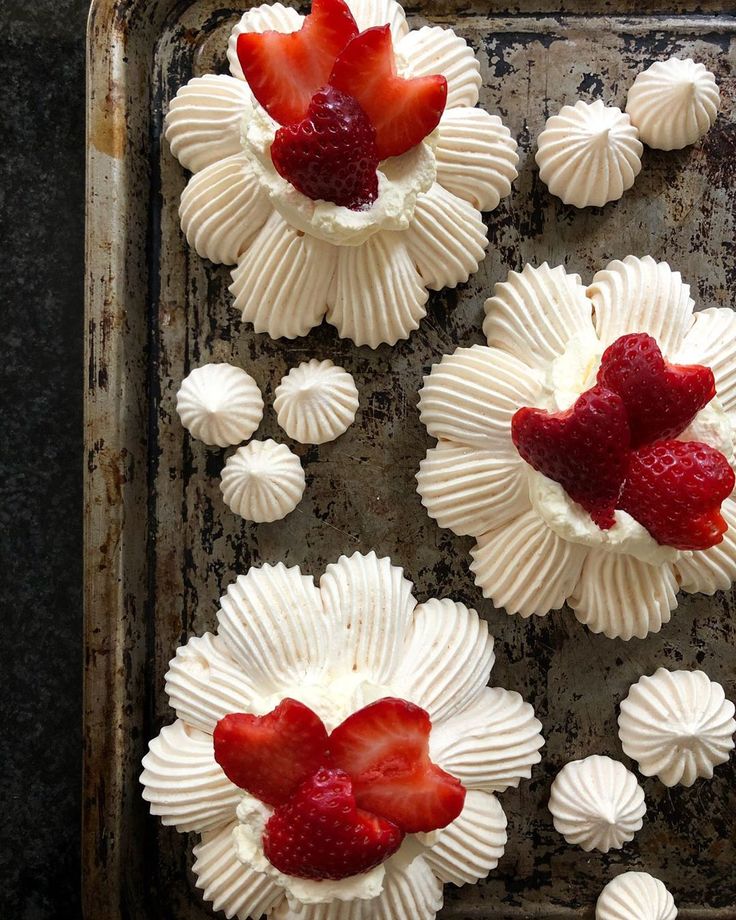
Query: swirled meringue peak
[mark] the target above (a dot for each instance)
(220, 404)
(316, 402)
(589, 154)
(597, 803)
(635, 896)
(673, 103)
(263, 481)
(678, 726)
(346, 670)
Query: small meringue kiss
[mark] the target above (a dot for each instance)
(316, 402)
(219, 404)
(263, 481)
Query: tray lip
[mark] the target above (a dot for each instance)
(104, 413)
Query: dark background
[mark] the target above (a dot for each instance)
(41, 331)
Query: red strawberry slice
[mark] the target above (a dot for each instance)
(385, 750)
(320, 833)
(403, 112)
(675, 490)
(585, 449)
(331, 154)
(271, 755)
(284, 70)
(661, 398)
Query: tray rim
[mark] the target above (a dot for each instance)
(107, 420)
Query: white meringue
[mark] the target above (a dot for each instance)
(678, 726)
(219, 404)
(635, 896)
(597, 803)
(589, 154)
(263, 481)
(316, 402)
(673, 103)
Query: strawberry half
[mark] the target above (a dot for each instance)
(403, 112)
(661, 398)
(331, 154)
(271, 755)
(322, 834)
(385, 750)
(675, 490)
(284, 70)
(585, 449)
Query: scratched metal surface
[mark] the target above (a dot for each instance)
(162, 547)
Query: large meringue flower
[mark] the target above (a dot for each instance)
(536, 549)
(297, 260)
(356, 638)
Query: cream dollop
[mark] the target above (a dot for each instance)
(673, 103)
(400, 180)
(589, 154)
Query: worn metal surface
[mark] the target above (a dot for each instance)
(162, 547)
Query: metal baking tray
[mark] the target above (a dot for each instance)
(161, 547)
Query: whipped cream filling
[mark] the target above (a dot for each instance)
(400, 180)
(569, 375)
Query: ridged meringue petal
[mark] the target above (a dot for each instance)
(204, 683)
(369, 604)
(316, 402)
(471, 396)
(641, 295)
(334, 910)
(274, 626)
(525, 567)
(472, 845)
(378, 295)
(446, 239)
(410, 892)
(431, 50)
(535, 313)
(447, 659)
(597, 804)
(711, 340)
(470, 490)
(678, 726)
(635, 896)
(491, 745)
(477, 157)
(231, 886)
(673, 103)
(205, 120)
(183, 783)
(222, 208)
(369, 13)
(623, 597)
(589, 154)
(714, 569)
(281, 282)
(263, 481)
(269, 17)
(219, 404)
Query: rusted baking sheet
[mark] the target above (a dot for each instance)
(161, 546)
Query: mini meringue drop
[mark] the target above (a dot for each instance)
(219, 404)
(635, 896)
(678, 726)
(597, 804)
(673, 103)
(589, 154)
(316, 402)
(263, 481)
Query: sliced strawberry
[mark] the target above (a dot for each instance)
(585, 449)
(661, 398)
(271, 755)
(403, 112)
(675, 490)
(284, 70)
(320, 833)
(385, 750)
